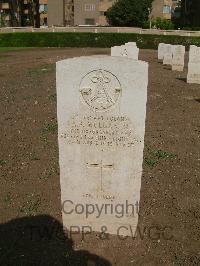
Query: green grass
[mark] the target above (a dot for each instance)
(155, 156)
(2, 162)
(10, 49)
(40, 70)
(50, 127)
(31, 206)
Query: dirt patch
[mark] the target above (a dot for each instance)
(168, 231)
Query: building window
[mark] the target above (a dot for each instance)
(43, 8)
(166, 9)
(90, 7)
(102, 13)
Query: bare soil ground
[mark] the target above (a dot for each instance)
(169, 223)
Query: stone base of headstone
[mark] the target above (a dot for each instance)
(177, 68)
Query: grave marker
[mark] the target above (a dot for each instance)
(101, 107)
(167, 58)
(178, 58)
(194, 65)
(161, 48)
(128, 50)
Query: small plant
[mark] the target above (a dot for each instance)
(155, 156)
(150, 162)
(34, 157)
(31, 207)
(50, 127)
(163, 154)
(2, 162)
(8, 198)
(52, 97)
(40, 70)
(49, 172)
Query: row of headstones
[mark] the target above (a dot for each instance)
(129, 50)
(174, 55)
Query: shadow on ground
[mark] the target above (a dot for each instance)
(182, 79)
(40, 240)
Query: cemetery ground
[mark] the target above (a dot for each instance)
(168, 231)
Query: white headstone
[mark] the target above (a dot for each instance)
(178, 59)
(116, 51)
(194, 65)
(127, 50)
(123, 51)
(101, 107)
(161, 48)
(131, 43)
(132, 50)
(167, 58)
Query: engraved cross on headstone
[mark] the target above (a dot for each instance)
(102, 167)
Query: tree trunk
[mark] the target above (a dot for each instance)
(36, 14)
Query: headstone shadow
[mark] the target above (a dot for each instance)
(167, 67)
(40, 240)
(197, 100)
(182, 79)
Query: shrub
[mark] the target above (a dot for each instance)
(104, 40)
(158, 23)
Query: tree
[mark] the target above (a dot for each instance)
(190, 13)
(129, 12)
(36, 5)
(13, 13)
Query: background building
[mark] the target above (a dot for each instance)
(162, 9)
(86, 12)
(43, 12)
(56, 13)
(78, 12)
(69, 12)
(23, 13)
(93, 12)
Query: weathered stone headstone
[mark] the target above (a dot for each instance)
(116, 51)
(132, 50)
(194, 65)
(167, 58)
(124, 51)
(161, 48)
(128, 50)
(131, 43)
(101, 105)
(178, 58)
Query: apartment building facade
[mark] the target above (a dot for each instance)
(22, 13)
(87, 12)
(43, 10)
(162, 9)
(78, 12)
(93, 12)
(72, 12)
